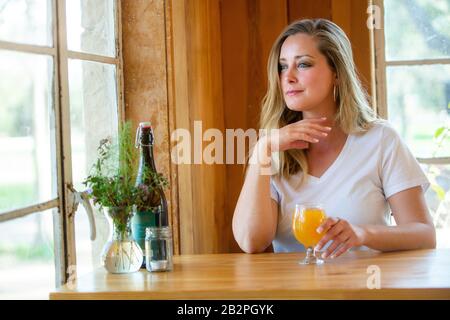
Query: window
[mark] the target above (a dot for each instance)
(60, 94)
(412, 54)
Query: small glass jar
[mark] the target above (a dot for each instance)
(158, 249)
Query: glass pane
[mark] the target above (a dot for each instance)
(27, 257)
(417, 29)
(418, 105)
(26, 21)
(27, 132)
(91, 27)
(93, 116)
(438, 200)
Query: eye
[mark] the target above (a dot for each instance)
(303, 65)
(282, 67)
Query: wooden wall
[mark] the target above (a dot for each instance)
(198, 96)
(205, 60)
(249, 29)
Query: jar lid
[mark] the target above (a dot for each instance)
(163, 231)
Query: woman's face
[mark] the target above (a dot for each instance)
(306, 79)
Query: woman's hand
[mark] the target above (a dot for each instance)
(298, 135)
(343, 234)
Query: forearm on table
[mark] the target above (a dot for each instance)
(252, 220)
(403, 237)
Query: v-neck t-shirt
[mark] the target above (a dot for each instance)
(371, 167)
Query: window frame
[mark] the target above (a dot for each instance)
(381, 64)
(64, 216)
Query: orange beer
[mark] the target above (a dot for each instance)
(305, 222)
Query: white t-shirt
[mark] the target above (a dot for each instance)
(370, 168)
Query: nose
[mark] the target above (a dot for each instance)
(289, 75)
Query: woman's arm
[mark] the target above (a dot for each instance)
(414, 230)
(255, 215)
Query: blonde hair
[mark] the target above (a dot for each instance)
(354, 113)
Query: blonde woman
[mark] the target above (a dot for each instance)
(333, 150)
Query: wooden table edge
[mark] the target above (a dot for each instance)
(342, 294)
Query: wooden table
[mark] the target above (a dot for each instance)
(421, 274)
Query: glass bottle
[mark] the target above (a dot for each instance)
(143, 217)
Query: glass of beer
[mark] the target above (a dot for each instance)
(307, 218)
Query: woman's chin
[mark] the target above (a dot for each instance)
(297, 107)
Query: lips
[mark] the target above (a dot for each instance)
(291, 93)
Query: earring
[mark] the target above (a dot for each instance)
(334, 93)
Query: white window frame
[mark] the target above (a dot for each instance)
(381, 65)
(64, 217)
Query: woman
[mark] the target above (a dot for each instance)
(332, 149)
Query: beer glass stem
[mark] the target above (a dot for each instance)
(311, 257)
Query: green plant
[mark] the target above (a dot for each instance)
(112, 181)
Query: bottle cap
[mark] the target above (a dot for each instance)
(146, 124)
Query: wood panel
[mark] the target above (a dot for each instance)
(249, 29)
(351, 16)
(181, 110)
(360, 38)
(175, 186)
(342, 14)
(308, 9)
(198, 97)
(206, 105)
(235, 48)
(146, 83)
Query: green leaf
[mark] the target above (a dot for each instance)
(438, 132)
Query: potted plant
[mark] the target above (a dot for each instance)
(112, 186)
